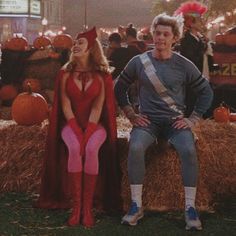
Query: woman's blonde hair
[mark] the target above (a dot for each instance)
(97, 59)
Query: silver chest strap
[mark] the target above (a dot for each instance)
(156, 82)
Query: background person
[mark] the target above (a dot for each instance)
(192, 45)
(118, 56)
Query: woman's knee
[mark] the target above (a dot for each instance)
(74, 150)
(69, 137)
(97, 138)
(90, 150)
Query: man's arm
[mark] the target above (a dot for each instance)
(204, 93)
(124, 80)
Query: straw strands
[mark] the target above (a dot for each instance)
(163, 189)
(22, 149)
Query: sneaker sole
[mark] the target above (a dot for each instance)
(123, 222)
(193, 228)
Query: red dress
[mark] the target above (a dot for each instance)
(55, 187)
(82, 101)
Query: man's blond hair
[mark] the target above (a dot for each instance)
(175, 22)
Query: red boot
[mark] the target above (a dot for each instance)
(76, 181)
(88, 193)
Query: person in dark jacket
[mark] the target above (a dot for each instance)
(135, 47)
(192, 44)
(117, 55)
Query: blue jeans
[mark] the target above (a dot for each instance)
(182, 140)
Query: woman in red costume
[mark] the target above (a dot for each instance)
(81, 145)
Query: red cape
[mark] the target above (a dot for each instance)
(55, 187)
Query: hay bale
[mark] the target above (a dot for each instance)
(163, 188)
(40, 66)
(5, 113)
(21, 154)
(23, 148)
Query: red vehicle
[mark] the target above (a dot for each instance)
(225, 57)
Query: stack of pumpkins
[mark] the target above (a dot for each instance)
(59, 42)
(30, 107)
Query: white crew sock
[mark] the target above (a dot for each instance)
(136, 193)
(190, 196)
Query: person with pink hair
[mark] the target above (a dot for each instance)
(192, 45)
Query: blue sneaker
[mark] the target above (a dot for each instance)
(133, 216)
(192, 219)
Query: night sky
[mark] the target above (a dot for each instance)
(106, 13)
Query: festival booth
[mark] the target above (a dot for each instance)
(37, 64)
(23, 149)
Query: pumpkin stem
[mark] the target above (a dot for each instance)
(29, 87)
(223, 104)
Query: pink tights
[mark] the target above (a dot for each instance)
(91, 150)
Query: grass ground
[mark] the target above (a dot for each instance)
(18, 218)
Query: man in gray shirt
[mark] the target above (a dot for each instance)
(162, 76)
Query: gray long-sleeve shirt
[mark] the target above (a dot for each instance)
(175, 73)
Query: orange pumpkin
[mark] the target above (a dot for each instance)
(232, 117)
(41, 42)
(29, 108)
(8, 92)
(221, 114)
(63, 41)
(34, 84)
(54, 55)
(44, 95)
(17, 44)
(220, 39)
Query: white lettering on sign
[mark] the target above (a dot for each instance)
(10, 6)
(226, 69)
(233, 69)
(35, 7)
